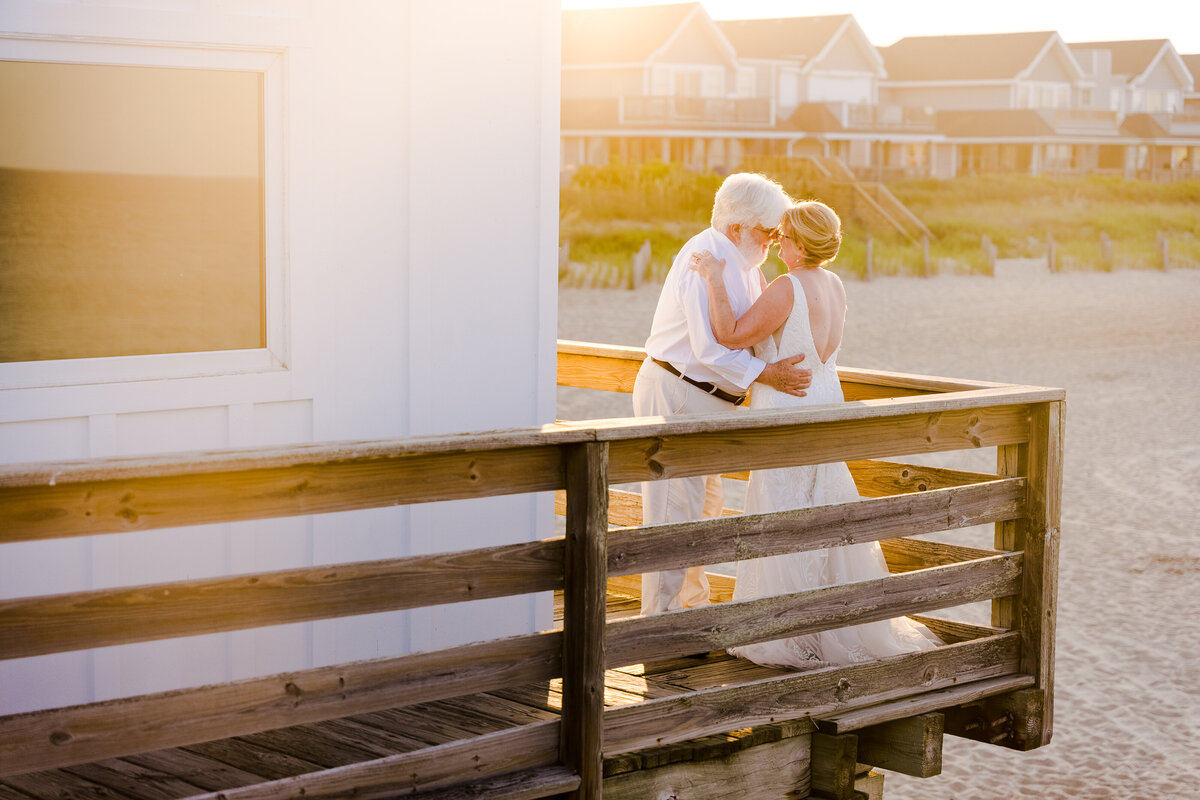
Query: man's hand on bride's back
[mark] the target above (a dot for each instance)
(707, 265)
(785, 376)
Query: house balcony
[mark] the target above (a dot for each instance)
(887, 117)
(1086, 121)
(673, 110)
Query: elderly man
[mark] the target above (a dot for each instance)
(688, 372)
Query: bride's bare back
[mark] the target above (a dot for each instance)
(826, 298)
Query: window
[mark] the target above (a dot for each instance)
(128, 116)
(131, 211)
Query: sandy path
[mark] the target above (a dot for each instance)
(1126, 347)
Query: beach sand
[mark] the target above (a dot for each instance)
(1126, 347)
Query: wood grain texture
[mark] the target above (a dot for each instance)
(819, 693)
(57, 737)
(1039, 590)
(719, 627)
(943, 698)
(912, 746)
(525, 785)
(514, 750)
(56, 501)
(1011, 460)
(777, 769)
(951, 630)
(1014, 719)
(906, 555)
(877, 478)
(76, 621)
(834, 765)
(613, 368)
(584, 616)
(665, 454)
(735, 538)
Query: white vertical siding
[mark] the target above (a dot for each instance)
(417, 177)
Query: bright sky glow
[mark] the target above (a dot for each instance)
(885, 21)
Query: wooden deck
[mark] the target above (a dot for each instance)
(611, 702)
(247, 761)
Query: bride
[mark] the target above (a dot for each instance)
(804, 311)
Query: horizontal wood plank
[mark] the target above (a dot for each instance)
(494, 754)
(62, 736)
(719, 627)
(952, 630)
(735, 538)
(525, 785)
(80, 620)
(71, 504)
(906, 555)
(946, 697)
(877, 478)
(820, 693)
(613, 367)
(590, 372)
(665, 454)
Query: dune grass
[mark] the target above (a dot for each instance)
(607, 213)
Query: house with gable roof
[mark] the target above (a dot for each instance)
(808, 59)
(1147, 81)
(668, 83)
(1135, 77)
(824, 74)
(1010, 102)
(654, 83)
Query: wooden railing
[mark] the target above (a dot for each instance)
(888, 415)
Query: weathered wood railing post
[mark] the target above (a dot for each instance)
(926, 265)
(1033, 612)
(585, 573)
(870, 257)
(1106, 252)
(1164, 251)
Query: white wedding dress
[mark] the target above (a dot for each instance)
(803, 487)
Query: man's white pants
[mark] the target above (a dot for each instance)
(657, 392)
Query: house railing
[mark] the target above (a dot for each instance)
(888, 415)
(754, 111)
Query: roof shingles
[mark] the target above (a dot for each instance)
(991, 56)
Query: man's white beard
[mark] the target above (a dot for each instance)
(753, 255)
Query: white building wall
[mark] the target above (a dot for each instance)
(416, 275)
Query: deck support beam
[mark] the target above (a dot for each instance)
(834, 765)
(1014, 720)
(585, 570)
(911, 746)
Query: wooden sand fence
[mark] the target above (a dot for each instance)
(888, 415)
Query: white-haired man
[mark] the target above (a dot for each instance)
(688, 372)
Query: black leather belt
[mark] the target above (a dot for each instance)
(707, 388)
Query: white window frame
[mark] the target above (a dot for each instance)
(275, 357)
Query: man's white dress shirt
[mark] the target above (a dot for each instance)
(681, 334)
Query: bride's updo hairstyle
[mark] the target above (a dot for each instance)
(817, 228)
